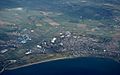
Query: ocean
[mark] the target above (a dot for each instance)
(76, 66)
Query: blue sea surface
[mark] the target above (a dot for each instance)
(77, 66)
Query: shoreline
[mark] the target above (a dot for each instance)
(37, 63)
(2, 70)
(49, 60)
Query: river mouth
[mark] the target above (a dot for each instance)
(77, 66)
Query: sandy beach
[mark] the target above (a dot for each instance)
(62, 58)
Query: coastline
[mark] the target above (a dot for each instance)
(2, 70)
(38, 63)
(49, 60)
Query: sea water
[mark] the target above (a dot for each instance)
(76, 66)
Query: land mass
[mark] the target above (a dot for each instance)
(30, 36)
